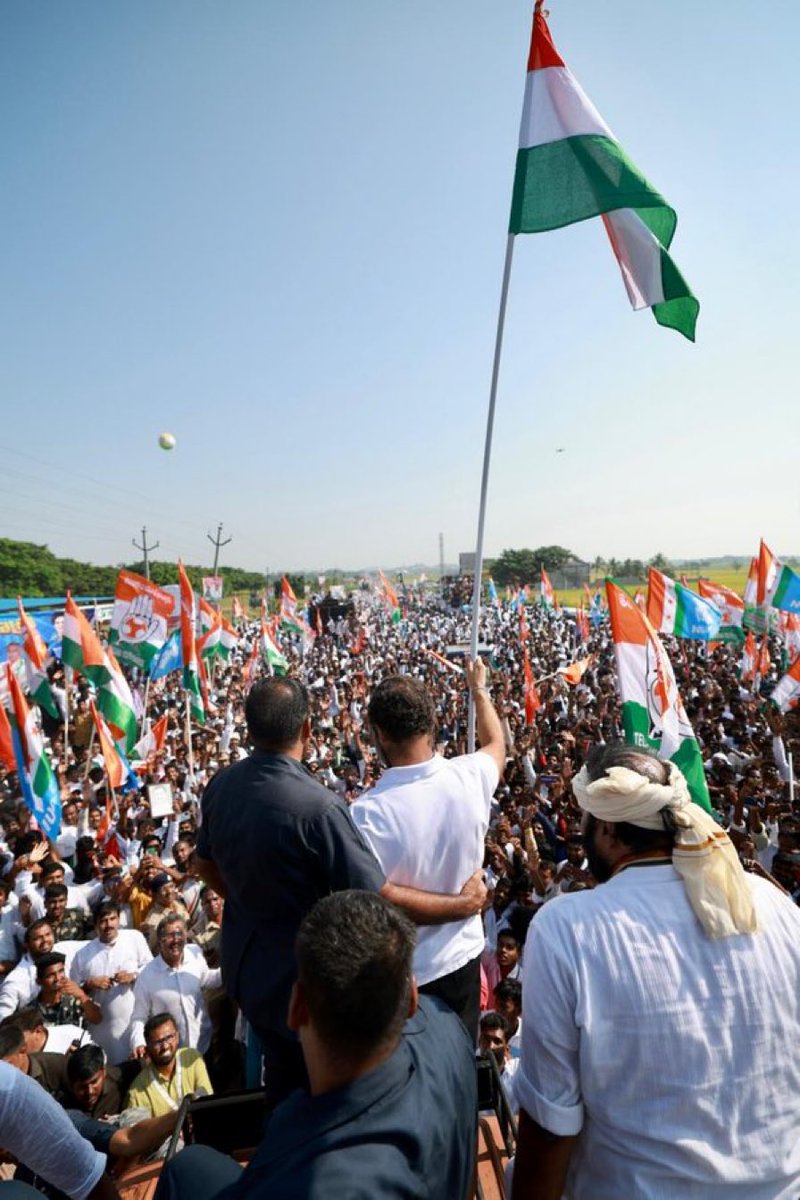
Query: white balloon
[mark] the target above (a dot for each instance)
(167, 441)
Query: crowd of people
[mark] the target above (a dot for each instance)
(119, 992)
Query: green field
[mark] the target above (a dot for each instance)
(726, 576)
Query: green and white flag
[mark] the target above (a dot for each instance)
(653, 715)
(571, 167)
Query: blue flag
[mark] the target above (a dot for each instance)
(169, 657)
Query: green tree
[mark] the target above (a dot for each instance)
(28, 570)
(660, 563)
(518, 567)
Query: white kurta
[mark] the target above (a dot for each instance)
(179, 992)
(128, 953)
(676, 1057)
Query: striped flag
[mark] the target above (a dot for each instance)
(787, 693)
(152, 740)
(116, 765)
(390, 595)
(289, 616)
(270, 652)
(545, 588)
(228, 639)
(766, 575)
(211, 624)
(37, 779)
(673, 608)
(730, 606)
(652, 710)
(35, 654)
(81, 649)
(571, 167)
(191, 674)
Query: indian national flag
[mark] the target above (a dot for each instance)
(731, 607)
(652, 710)
(37, 779)
(82, 650)
(191, 675)
(117, 769)
(270, 652)
(35, 653)
(228, 639)
(571, 167)
(673, 608)
(211, 623)
(787, 693)
(546, 588)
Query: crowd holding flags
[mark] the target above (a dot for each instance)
(82, 650)
(38, 782)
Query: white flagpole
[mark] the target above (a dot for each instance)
(144, 705)
(487, 455)
(791, 779)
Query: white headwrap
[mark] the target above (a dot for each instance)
(703, 854)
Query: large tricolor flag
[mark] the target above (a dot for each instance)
(652, 710)
(730, 606)
(289, 615)
(37, 779)
(787, 693)
(777, 585)
(673, 608)
(116, 765)
(138, 620)
(81, 649)
(228, 639)
(35, 654)
(211, 625)
(191, 674)
(571, 167)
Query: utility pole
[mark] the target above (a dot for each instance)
(217, 542)
(441, 556)
(145, 549)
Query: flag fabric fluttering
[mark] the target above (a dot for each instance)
(151, 742)
(37, 780)
(763, 662)
(138, 620)
(237, 611)
(228, 639)
(787, 692)
(673, 608)
(766, 575)
(575, 672)
(582, 623)
(493, 597)
(789, 627)
(191, 673)
(546, 593)
(570, 167)
(35, 655)
(169, 657)
(755, 617)
(390, 596)
(777, 585)
(532, 700)
(652, 710)
(730, 606)
(747, 670)
(82, 650)
(7, 755)
(118, 770)
(289, 616)
(211, 625)
(270, 652)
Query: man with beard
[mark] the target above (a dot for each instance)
(661, 1036)
(174, 1071)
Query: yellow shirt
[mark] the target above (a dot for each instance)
(152, 1091)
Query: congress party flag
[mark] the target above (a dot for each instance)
(211, 625)
(270, 652)
(117, 768)
(37, 780)
(653, 715)
(673, 608)
(571, 167)
(228, 639)
(787, 692)
(191, 674)
(138, 620)
(35, 654)
(730, 605)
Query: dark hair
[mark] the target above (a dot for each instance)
(647, 763)
(34, 925)
(54, 891)
(509, 989)
(401, 708)
(275, 710)
(156, 1021)
(519, 923)
(51, 866)
(508, 933)
(494, 1020)
(29, 1018)
(354, 955)
(84, 1062)
(12, 1039)
(47, 961)
(104, 908)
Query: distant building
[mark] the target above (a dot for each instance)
(466, 563)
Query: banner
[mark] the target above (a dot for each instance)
(212, 588)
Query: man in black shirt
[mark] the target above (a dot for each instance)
(273, 841)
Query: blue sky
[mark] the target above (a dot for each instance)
(277, 228)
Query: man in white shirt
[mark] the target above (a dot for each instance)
(426, 820)
(108, 968)
(174, 983)
(661, 1035)
(19, 987)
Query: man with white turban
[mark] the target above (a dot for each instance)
(661, 1031)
